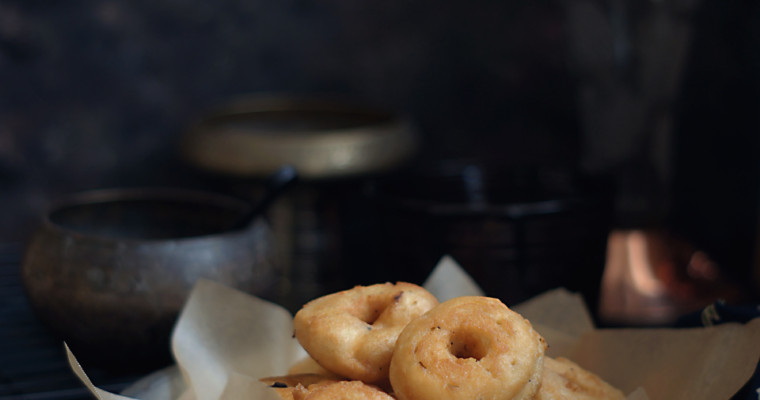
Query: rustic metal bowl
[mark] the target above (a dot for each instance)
(109, 270)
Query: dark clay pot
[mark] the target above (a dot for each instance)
(109, 271)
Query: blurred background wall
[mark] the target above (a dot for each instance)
(661, 95)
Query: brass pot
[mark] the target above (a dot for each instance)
(321, 138)
(109, 270)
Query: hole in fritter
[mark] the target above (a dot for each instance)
(372, 310)
(468, 344)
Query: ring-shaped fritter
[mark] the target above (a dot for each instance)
(343, 390)
(352, 333)
(468, 348)
(565, 380)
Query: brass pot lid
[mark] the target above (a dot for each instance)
(321, 138)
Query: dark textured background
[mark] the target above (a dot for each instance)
(95, 93)
(94, 90)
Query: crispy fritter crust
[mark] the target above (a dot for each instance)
(468, 348)
(352, 333)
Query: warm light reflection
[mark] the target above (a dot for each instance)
(701, 267)
(640, 268)
(631, 291)
(652, 278)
